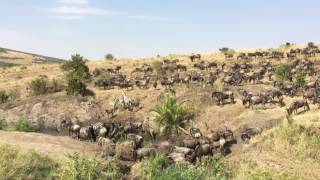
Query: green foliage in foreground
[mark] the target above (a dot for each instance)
(211, 167)
(15, 164)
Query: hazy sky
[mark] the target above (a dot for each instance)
(133, 28)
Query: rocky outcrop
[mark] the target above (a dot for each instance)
(47, 112)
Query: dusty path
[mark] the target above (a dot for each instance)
(57, 147)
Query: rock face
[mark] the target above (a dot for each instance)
(47, 112)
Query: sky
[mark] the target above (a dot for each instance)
(141, 28)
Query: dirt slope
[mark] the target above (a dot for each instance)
(57, 147)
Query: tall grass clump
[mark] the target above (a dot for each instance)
(215, 168)
(296, 140)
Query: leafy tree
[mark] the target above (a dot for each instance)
(109, 57)
(283, 72)
(78, 72)
(171, 114)
(77, 66)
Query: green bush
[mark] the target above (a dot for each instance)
(283, 72)
(300, 79)
(24, 165)
(22, 125)
(97, 72)
(215, 168)
(4, 97)
(154, 166)
(77, 66)
(81, 168)
(158, 168)
(76, 85)
(171, 114)
(42, 85)
(181, 172)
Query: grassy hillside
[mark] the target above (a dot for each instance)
(9, 58)
(285, 149)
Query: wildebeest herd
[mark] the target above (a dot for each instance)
(134, 141)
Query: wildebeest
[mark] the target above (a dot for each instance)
(195, 56)
(249, 132)
(222, 96)
(297, 104)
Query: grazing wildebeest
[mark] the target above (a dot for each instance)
(297, 104)
(222, 96)
(195, 56)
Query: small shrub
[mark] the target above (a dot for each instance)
(22, 125)
(76, 85)
(215, 168)
(55, 85)
(153, 167)
(181, 172)
(300, 79)
(39, 86)
(42, 85)
(82, 168)
(97, 72)
(4, 97)
(283, 72)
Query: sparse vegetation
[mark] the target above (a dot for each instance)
(42, 85)
(22, 125)
(283, 72)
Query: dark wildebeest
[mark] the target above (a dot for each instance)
(195, 56)
(222, 96)
(297, 104)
